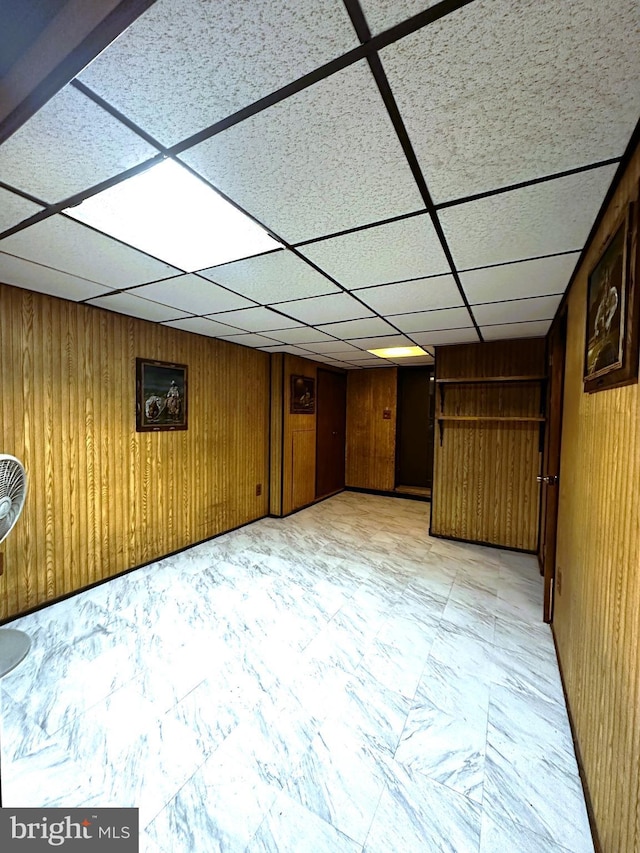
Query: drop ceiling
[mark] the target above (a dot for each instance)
(430, 171)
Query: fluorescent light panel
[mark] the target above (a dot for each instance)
(169, 213)
(397, 352)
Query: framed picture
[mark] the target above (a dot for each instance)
(611, 337)
(161, 396)
(303, 395)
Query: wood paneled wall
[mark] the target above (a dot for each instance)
(102, 497)
(299, 444)
(597, 602)
(276, 436)
(484, 486)
(371, 439)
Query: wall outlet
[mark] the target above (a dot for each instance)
(258, 490)
(559, 581)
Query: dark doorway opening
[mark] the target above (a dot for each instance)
(414, 434)
(331, 420)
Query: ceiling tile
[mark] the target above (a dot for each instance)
(376, 362)
(200, 326)
(274, 277)
(14, 209)
(69, 145)
(243, 51)
(350, 355)
(516, 310)
(382, 342)
(33, 276)
(293, 350)
(425, 294)
(399, 250)
(426, 321)
(305, 168)
(381, 14)
(248, 340)
(65, 245)
(359, 328)
(516, 330)
(448, 336)
(512, 281)
(134, 306)
(301, 335)
(330, 347)
(193, 294)
(256, 320)
(517, 92)
(555, 216)
(326, 309)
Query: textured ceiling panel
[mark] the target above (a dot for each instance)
(358, 328)
(555, 216)
(516, 311)
(447, 336)
(301, 335)
(272, 278)
(382, 14)
(201, 326)
(426, 321)
(399, 250)
(256, 320)
(425, 294)
(69, 145)
(65, 245)
(33, 276)
(512, 281)
(248, 340)
(375, 362)
(330, 347)
(382, 342)
(192, 294)
(14, 208)
(228, 54)
(134, 306)
(502, 75)
(516, 330)
(350, 355)
(326, 309)
(305, 168)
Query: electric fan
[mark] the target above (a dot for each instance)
(14, 645)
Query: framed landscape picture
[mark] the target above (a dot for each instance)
(161, 396)
(303, 395)
(611, 337)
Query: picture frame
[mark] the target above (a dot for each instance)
(303, 395)
(161, 396)
(611, 334)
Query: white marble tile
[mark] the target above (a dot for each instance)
(416, 814)
(500, 836)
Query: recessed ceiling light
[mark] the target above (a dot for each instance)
(169, 213)
(398, 352)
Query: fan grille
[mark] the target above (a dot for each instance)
(13, 488)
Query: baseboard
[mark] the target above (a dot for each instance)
(583, 778)
(481, 542)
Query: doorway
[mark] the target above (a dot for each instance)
(331, 421)
(549, 494)
(414, 435)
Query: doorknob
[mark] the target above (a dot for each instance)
(550, 481)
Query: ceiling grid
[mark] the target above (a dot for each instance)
(430, 172)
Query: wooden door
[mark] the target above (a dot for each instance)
(331, 419)
(551, 463)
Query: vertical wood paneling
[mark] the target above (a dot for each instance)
(299, 467)
(597, 604)
(277, 415)
(102, 497)
(485, 472)
(371, 439)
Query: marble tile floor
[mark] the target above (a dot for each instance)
(335, 682)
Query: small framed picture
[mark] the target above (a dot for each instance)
(303, 395)
(611, 337)
(161, 396)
